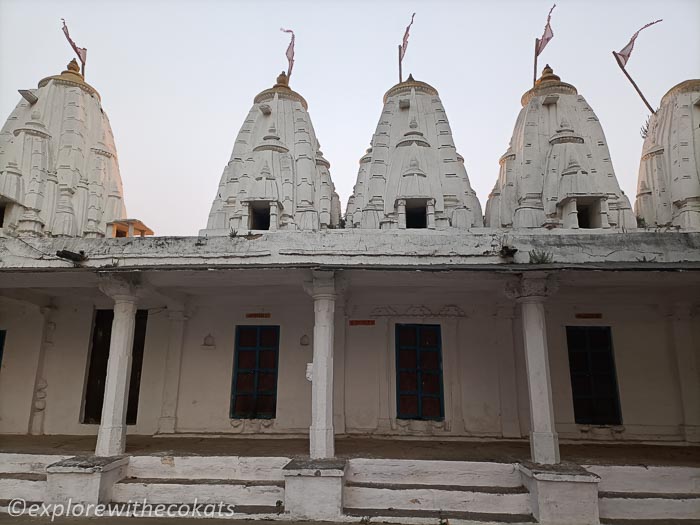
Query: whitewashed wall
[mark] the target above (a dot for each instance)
(484, 371)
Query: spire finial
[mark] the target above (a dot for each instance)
(73, 66)
(282, 80)
(547, 76)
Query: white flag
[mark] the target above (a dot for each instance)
(624, 55)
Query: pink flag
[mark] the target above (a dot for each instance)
(624, 55)
(290, 51)
(80, 51)
(546, 36)
(404, 45)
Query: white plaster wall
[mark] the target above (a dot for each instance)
(24, 326)
(206, 374)
(645, 365)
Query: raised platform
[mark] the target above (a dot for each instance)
(362, 447)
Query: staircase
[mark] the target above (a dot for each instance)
(246, 485)
(476, 491)
(24, 476)
(628, 493)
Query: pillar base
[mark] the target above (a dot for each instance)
(322, 443)
(313, 488)
(563, 494)
(84, 479)
(544, 447)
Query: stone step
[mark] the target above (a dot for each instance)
(389, 515)
(27, 486)
(211, 467)
(421, 498)
(463, 473)
(648, 506)
(27, 463)
(265, 496)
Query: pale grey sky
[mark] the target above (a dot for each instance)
(178, 77)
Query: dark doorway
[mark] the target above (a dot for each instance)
(97, 369)
(419, 391)
(2, 214)
(2, 344)
(584, 216)
(254, 389)
(260, 216)
(593, 377)
(416, 214)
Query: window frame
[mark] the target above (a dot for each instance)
(419, 386)
(257, 370)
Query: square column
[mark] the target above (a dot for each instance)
(322, 289)
(171, 372)
(111, 437)
(688, 366)
(530, 292)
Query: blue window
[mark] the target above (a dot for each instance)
(254, 389)
(593, 377)
(419, 393)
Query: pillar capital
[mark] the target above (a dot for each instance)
(531, 287)
(321, 285)
(122, 289)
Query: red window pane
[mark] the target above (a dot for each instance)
(246, 359)
(244, 405)
(268, 336)
(407, 359)
(245, 382)
(429, 361)
(408, 381)
(431, 383)
(429, 336)
(407, 336)
(408, 405)
(431, 407)
(266, 382)
(247, 336)
(268, 359)
(266, 406)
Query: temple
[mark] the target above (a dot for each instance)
(412, 176)
(59, 174)
(668, 193)
(412, 366)
(277, 178)
(557, 171)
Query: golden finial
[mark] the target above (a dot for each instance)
(282, 80)
(73, 66)
(547, 76)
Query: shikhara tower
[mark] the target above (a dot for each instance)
(668, 191)
(412, 175)
(59, 173)
(557, 171)
(277, 178)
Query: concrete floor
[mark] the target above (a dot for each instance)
(348, 447)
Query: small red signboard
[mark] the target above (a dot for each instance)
(362, 322)
(261, 315)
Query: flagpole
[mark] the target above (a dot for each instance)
(633, 82)
(534, 73)
(400, 71)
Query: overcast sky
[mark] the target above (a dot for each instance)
(178, 77)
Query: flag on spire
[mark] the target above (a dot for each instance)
(404, 45)
(80, 51)
(548, 34)
(624, 55)
(290, 51)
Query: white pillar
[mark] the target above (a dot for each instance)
(322, 289)
(688, 366)
(531, 292)
(111, 437)
(171, 372)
